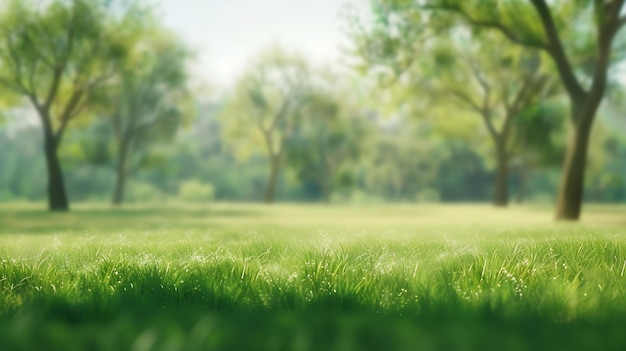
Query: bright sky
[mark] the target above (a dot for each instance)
(227, 34)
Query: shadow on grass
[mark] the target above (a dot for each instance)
(191, 328)
(205, 320)
(39, 221)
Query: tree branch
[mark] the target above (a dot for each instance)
(280, 115)
(54, 87)
(80, 107)
(522, 97)
(483, 111)
(481, 81)
(466, 98)
(608, 13)
(39, 54)
(68, 113)
(18, 66)
(31, 79)
(267, 136)
(555, 49)
(506, 31)
(117, 123)
(49, 40)
(59, 68)
(11, 85)
(613, 9)
(621, 22)
(486, 116)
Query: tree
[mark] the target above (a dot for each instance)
(475, 71)
(57, 55)
(554, 28)
(327, 144)
(403, 161)
(148, 100)
(266, 106)
(496, 84)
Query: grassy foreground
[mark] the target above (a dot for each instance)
(295, 277)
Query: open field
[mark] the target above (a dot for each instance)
(304, 277)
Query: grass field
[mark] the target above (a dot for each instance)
(304, 277)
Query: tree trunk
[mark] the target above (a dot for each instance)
(570, 195)
(325, 188)
(500, 193)
(57, 197)
(270, 189)
(121, 173)
(522, 189)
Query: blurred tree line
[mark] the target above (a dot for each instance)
(581, 40)
(445, 102)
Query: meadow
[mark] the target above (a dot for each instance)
(311, 277)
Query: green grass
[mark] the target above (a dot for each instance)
(295, 277)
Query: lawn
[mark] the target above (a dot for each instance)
(306, 277)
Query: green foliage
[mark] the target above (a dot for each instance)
(266, 103)
(196, 191)
(301, 117)
(327, 144)
(540, 132)
(455, 73)
(150, 98)
(58, 53)
(402, 163)
(462, 173)
(144, 192)
(21, 166)
(430, 62)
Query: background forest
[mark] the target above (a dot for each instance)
(456, 116)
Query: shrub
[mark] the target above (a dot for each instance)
(196, 191)
(139, 191)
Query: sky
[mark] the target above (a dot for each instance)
(227, 34)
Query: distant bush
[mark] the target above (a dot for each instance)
(428, 195)
(138, 191)
(356, 196)
(6, 195)
(196, 191)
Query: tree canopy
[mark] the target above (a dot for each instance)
(56, 55)
(563, 30)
